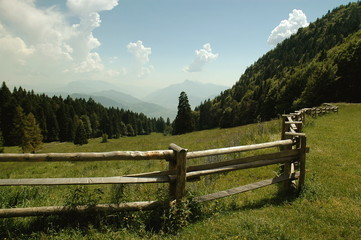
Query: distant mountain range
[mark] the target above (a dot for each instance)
(112, 98)
(90, 86)
(196, 92)
(161, 103)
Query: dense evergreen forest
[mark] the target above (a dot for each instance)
(320, 63)
(60, 119)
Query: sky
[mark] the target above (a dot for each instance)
(45, 44)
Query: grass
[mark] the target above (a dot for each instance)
(329, 207)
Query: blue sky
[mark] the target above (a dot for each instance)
(143, 43)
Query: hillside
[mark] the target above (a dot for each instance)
(328, 208)
(321, 63)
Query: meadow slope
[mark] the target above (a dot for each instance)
(329, 207)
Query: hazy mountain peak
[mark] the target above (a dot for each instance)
(196, 92)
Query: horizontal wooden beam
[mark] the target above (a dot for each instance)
(245, 188)
(50, 210)
(86, 156)
(288, 153)
(293, 122)
(269, 156)
(295, 134)
(254, 164)
(82, 181)
(213, 152)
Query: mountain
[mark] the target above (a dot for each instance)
(196, 92)
(109, 95)
(90, 86)
(112, 98)
(320, 63)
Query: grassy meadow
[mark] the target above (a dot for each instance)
(329, 207)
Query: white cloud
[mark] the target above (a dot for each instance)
(13, 47)
(140, 52)
(141, 55)
(44, 39)
(84, 7)
(92, 63)
(43, 29)
(287, 27)
(90, 21)
(203, 56)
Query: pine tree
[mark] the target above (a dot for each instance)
(1, 142)
(80, 134)
(94, 121)
(130, 130)
(87, 125)
(7, 111)
(123, 129)
(18, 125)
(183, 123)
(32, 138)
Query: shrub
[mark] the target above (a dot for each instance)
(104, 138)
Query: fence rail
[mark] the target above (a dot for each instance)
(290, 152)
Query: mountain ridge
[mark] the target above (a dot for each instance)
(116, 99)
(320, 63)
(196, 92)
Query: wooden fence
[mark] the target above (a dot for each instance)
(290, 151)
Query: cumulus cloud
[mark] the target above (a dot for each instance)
(203, 56)
(287, 27)
(43, 29)
(13, 47)
(45, 38)
(141, 55)
(85, 7)
(140, 52)
(90, 64)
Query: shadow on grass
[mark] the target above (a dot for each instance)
(140, 223)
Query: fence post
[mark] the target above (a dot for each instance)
(283, 131)
(303, 116)
(303, 149)
(287, 167)
(179, 164)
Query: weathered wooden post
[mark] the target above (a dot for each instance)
(179, 165)
(302, 162)
(287, 167)
(304, 116)
(283, 130)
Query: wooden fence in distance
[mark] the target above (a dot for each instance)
(289, 151)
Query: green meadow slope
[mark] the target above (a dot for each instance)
(329, 207)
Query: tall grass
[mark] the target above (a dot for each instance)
(329, 207)
(90, 195)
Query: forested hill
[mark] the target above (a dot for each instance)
(59, 118)
(320, 63)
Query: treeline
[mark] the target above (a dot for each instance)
(321, 63)
(59, 119)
